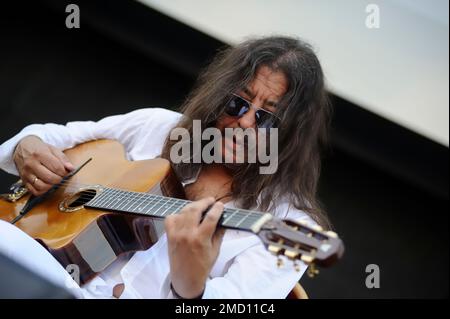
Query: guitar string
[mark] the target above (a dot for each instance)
(74, 186)
(151, 199)
(156, 202)
(240, 214)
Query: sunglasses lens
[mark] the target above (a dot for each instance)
(266, 120)
(237, 107)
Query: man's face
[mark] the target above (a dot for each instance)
(264, 91)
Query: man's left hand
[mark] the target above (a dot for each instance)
(193, 245)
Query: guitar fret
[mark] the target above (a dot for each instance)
(156, 212)
(155, 203)
(100, 199)
(121, 200)
(241, 220)
(118, 196)
(132, 198)
(229, 217)
(126, 200)
(140, 203)
(139, 200)
(250, 220)
(150, 210)
(111, 199)
(138, 207)
(105, 197)
(179, 206)
(148, 201)
(167, 209)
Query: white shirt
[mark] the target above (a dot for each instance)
(244, 268)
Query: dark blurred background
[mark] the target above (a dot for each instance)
(385, 187)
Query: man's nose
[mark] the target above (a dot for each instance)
(248, 119)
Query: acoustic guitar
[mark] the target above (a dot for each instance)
(106, 209)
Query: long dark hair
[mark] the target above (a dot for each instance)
(304, 111)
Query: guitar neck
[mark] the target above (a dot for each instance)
(157, 206)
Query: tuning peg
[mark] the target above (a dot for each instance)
(307, 259)
(332, 234)
(280, 262)
(296, 266)
(312, 271)
(317, 228)
(302, 222)
(291, 254)
(274, 249)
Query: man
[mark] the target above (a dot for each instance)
(272, 82)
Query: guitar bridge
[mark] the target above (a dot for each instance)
(18, 190)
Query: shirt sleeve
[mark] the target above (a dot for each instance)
(123, 128)
(255, 274)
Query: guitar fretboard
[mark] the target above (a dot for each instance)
(157, 206)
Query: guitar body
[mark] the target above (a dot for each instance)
(89, 238)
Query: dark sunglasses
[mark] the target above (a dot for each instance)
(238, 106)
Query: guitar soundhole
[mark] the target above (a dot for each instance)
(83, 198)
(78, 200)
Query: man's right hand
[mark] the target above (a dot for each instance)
(40, 165)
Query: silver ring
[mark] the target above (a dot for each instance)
(34, 180)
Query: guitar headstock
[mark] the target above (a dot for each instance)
(300, 241)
